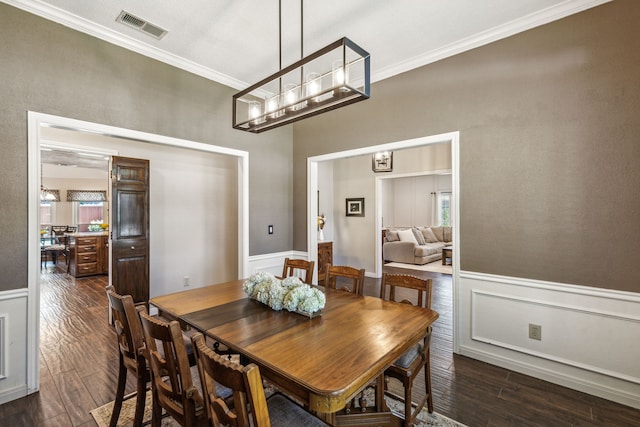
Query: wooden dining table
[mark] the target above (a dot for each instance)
(324, 361)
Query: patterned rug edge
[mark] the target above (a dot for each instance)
(102, 414)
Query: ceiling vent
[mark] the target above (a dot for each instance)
(141, 25)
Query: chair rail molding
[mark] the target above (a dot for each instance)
(588, 335)
(13, 342)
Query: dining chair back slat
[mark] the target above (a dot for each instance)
(336, 275)
(173, 387)
(126, 324)
(250, 406)
(245, 381)
(294, 267)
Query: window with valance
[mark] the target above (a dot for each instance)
(86, 196)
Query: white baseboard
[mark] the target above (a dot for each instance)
(13, 393)
(589, 335)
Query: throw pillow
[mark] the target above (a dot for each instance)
(418, 235)
(429, 237)
(407, 236)
(446, 232)
(437, 231)
(392, 236)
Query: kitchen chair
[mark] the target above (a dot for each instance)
(67, 246)
(406, 368)
(172, 381)
(56, 246)
(52, 251)
(250, 405)
(291, 266)
(334, 273)
(59, 230)
(131, 353)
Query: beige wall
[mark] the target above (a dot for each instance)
(48, 68)
(549, 151)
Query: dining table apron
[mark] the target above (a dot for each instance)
(323, 361)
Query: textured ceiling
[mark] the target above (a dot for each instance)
(235, 42)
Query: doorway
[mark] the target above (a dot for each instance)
(235, 162)
(453, 138)
(80, 179)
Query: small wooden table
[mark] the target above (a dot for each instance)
(325, 361)
(447, 252)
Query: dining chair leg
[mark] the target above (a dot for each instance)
(117, 406)
(427, 382)
(141, 397)
(156, 413)
(408, 418)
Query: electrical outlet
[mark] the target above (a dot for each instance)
(270, 229)
(535, 332)
(186, 281)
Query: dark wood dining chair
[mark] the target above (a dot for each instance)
(59, 230)
(336, 275)
(67, 245)
(292, 266)
(131, 353)
(172, 381)
(55, 247)
(250, 405)
(400, 287)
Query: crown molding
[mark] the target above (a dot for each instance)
(550, 14)
(545, 16)
(75, 22)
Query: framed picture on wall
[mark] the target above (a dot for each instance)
(382, 161)
(355, 207)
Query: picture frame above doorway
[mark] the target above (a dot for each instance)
(382, 161)
(355, 206)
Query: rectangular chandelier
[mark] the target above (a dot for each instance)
(334, 76)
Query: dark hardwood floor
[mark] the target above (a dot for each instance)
(78, 369)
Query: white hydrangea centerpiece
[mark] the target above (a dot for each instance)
(290, 293)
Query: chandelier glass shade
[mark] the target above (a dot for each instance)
(47, 195)
(330, 78)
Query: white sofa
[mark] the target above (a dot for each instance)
(416, 245)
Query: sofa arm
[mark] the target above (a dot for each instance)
(399, 251)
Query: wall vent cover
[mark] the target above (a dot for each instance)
(141, 25)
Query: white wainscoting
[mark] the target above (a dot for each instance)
(274, 262)
(13, 344)
(590, 337)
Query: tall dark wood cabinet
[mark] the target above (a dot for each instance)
(325, 256)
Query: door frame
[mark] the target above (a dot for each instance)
(35, 121)
(312, 205)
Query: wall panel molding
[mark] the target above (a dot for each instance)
(274, 262)
(4, 355)
(589, 335)
(13, 343)
(486, 302)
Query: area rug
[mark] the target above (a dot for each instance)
(102, 415)
(435, 267)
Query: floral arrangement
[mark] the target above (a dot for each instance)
(96, 225)
(290, 293)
